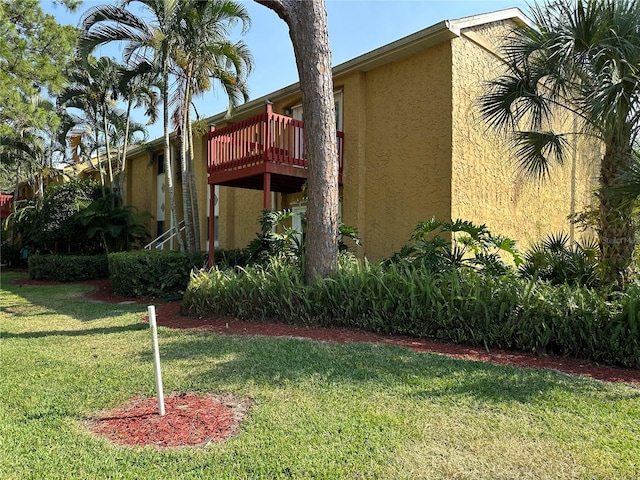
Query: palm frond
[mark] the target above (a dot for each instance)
(537, 151)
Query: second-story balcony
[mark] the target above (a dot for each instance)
(240, 154)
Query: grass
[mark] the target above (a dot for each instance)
(320, 410)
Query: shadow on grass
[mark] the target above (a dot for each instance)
(67, 299)
(76, 333)
(287, 361)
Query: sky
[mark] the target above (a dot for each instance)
(355, 27)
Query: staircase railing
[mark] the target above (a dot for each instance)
(159, 242)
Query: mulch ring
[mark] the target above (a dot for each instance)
(190, 420)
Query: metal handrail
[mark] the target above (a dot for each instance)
(160, 245)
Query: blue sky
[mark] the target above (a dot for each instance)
(355, 27)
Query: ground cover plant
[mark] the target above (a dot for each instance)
(459, 305)
(320, 410)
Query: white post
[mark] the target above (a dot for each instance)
(151, 309)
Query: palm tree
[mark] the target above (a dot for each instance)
(138, 85)
(30, 150)
(92, 91)
(145, 42)
(202, 53)
(581, 58)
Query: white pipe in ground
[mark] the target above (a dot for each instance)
(151, 309)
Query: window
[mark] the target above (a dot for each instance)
(160, 163)
(296, 111)
(216, 218)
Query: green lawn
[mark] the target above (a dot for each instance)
(320, 410)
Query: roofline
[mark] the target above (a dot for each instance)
(428, 37)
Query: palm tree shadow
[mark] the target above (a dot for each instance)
(75, 333)
(47, 299)
(285, 361)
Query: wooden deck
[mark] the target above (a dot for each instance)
(239, 155)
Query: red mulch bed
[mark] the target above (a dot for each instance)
(190, 420)
(199, 420)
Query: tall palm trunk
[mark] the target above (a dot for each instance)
(107, 144)
(167, 150)
(123, 163)
(616, 230)
(193, 186)
(99, 164)
(186, 194)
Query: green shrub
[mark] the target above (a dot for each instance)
(442, 246)
(68, 268)
(54, 221)
(461, 306)
(277, 240)
(151, 273)
(561, 261)
(231, 258)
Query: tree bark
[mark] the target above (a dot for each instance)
(167, 151)
(307, 21)
(123, 163)
(193, 189)
(616, 230)
(187, 213)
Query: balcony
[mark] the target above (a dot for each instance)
(265, 152)
(6, 202)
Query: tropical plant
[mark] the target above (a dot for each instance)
(442, 246)
(55, 221)
(138, 85)
(275, 238)
(91, 91)
(278, 239)
(29, 152)
(119, 228)
(558, 260)
(579, 60)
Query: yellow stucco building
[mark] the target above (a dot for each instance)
(414, 147)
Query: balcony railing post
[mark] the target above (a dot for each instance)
(210, 146)
(212, 225)
(268, 130)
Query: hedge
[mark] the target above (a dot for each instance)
(68, 268)
(153, 273)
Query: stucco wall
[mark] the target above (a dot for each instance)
(486, 184)
(239, 212)
(140, 187)
(407, 146)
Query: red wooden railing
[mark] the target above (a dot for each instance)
(268, 137)
(6, 201)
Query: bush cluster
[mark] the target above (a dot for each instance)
(68, 268)
(457, 305)
(151, 273)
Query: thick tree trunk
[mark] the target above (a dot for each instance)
(307, 21)
(616, 230)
